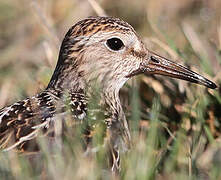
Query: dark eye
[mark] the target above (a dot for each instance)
(115, 44)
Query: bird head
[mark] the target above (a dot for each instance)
(108, 51)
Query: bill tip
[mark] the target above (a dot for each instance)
(212, 85)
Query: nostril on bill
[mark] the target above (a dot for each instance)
(152, 58)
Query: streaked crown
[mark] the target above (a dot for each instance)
(101, 49)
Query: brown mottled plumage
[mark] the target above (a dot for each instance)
(97, 51)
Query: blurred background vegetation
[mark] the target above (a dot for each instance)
(175, 125)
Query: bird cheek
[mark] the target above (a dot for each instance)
(133, 68)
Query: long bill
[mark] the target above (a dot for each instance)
(156, 64)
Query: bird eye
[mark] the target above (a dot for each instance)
(115, 44)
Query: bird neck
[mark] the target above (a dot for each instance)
(119, 130)
(66, 76)
(107, 98)
(112, 101)
(69, 78)
(109, 104)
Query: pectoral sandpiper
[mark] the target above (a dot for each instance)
(101, 51)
